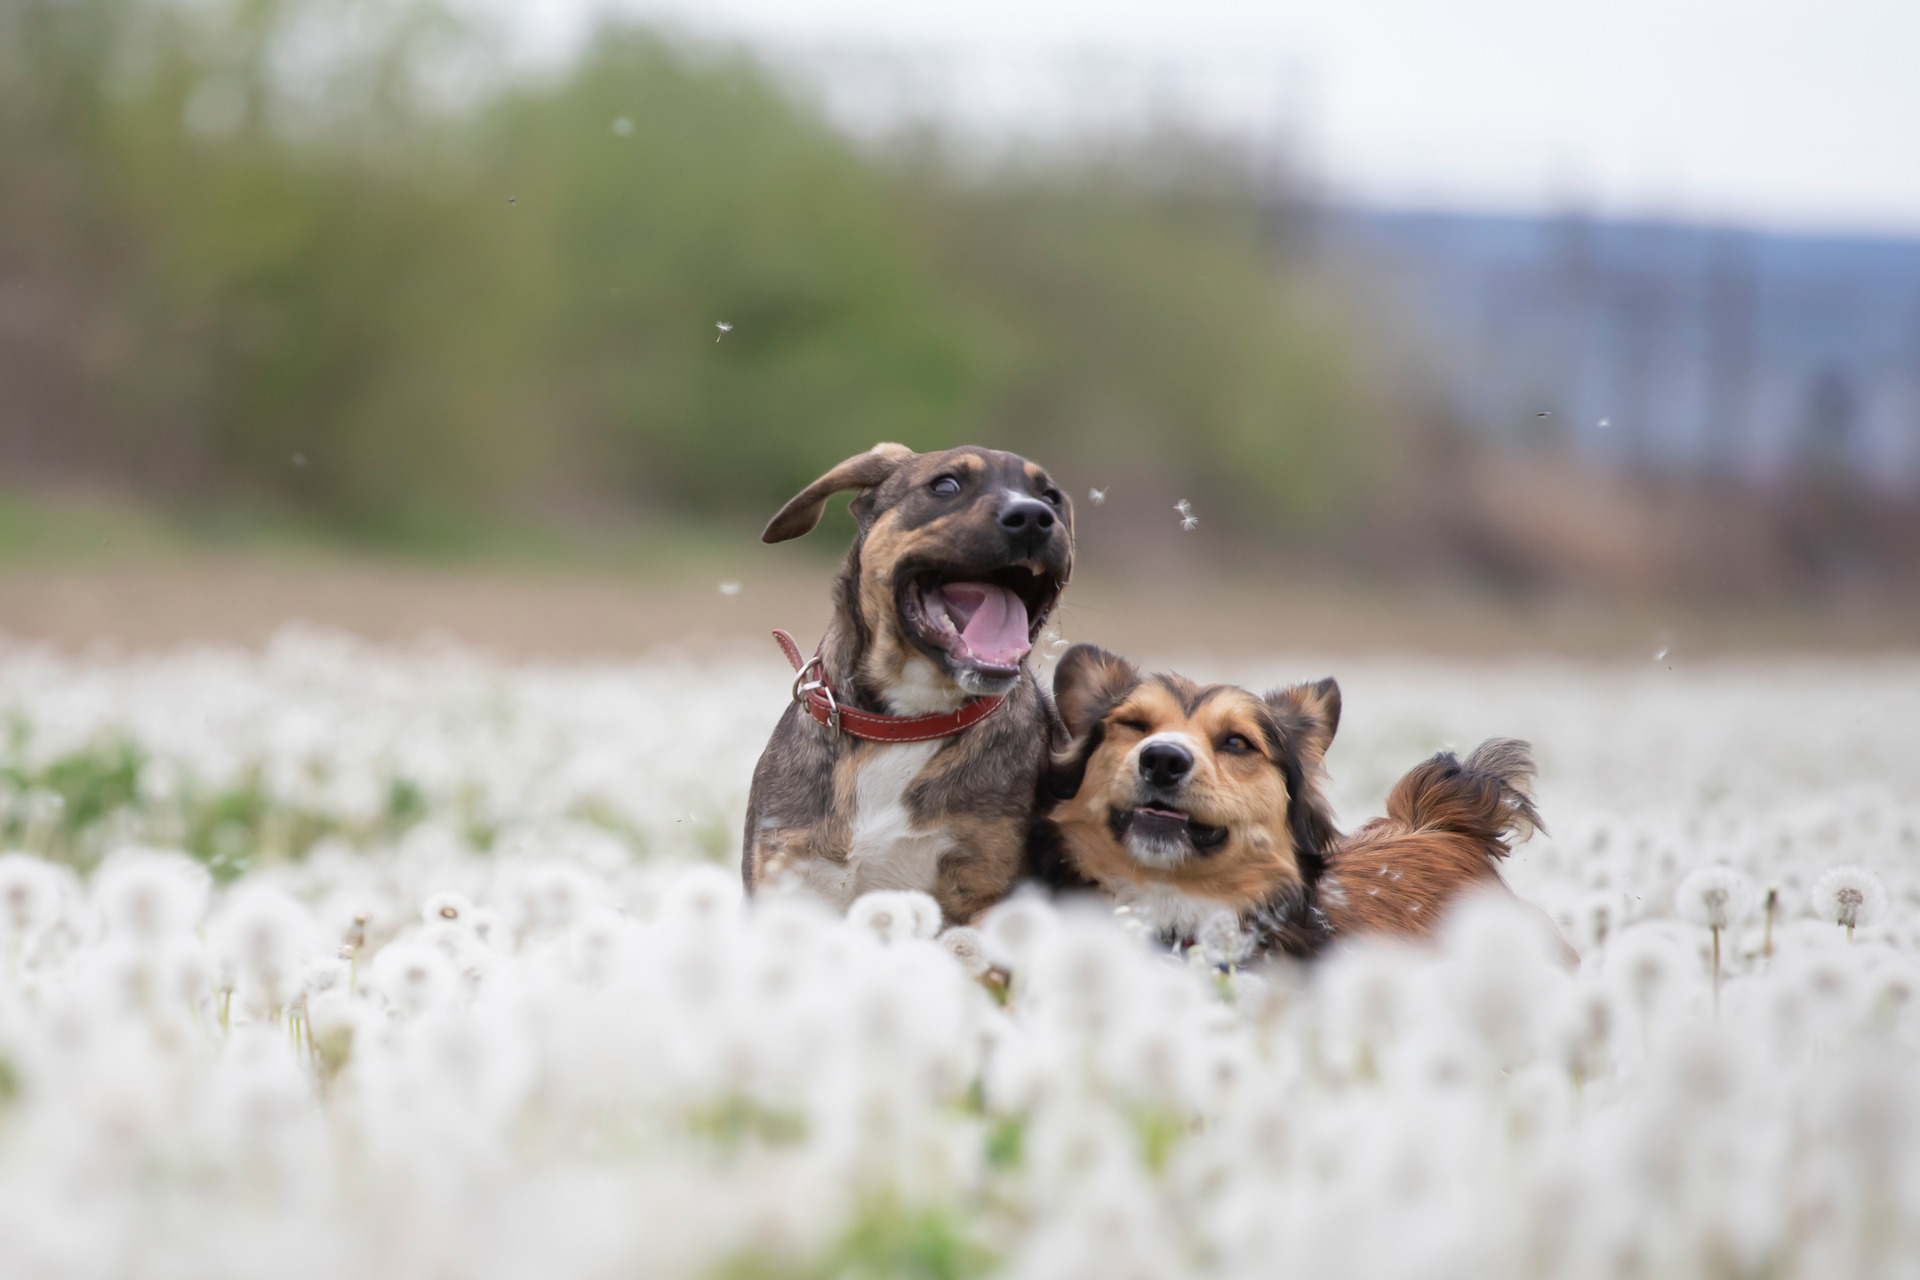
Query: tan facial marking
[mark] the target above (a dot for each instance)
(1233, 784)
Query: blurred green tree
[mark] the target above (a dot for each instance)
(340, 259)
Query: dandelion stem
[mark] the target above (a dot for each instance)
(1716, 974)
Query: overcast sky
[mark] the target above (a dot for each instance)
(1797, 113)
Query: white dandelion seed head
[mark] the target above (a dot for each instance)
(489, 928)
(414, 977)
(1503, 970)
(1014, 928)
(547, 897)
(1704, 1066)
(1648, 963)
(1849, 895)
(597, 948)
(1716, 897)
(1223, 941)
(1584, 1028)
(790, 924)
(322, 975)
(895, 915)
(968, 948)
(30, 892)
(447, 908)
(261, 938)
(1082, 967)
(702, 894)
(147, 895)
(187, 971)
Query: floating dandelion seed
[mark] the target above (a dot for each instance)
(1543, 414)
(622, 125)
(729, 588)
(299, 459)
(1605, 423)
(724, 329)
(1184, 507)
(1189, 523)
(1096, 496)
(510, 200)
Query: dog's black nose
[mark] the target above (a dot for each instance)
(1164, 763)
(1027, 518)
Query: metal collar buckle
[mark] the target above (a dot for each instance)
(802, 687)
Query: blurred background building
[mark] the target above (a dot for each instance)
(1717, 352)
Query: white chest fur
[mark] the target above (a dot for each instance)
(886, 850)
(1164, 909)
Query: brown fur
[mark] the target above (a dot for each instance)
(1446, 827)
(964, 812)
(1260, 840)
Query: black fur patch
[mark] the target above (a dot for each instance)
(1289, 923)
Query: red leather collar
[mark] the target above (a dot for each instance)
(816, 695)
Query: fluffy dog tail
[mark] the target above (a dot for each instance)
(1488, 799)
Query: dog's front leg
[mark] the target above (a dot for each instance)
(978, 873)
(811, 857)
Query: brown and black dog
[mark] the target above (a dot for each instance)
(1183, 801)
(959, 558)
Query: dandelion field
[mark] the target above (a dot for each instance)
(329, 960)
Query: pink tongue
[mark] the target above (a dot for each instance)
(992, 621)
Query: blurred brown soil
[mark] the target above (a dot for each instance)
(533, 612)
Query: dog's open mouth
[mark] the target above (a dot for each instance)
(1159, 826)
(985, 623)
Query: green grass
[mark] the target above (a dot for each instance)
(886, 1241)
(64, 531)
(76, 807)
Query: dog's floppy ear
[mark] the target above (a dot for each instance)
(1308, 714)
(1087, 679)
(861, 471)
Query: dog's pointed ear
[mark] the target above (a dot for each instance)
(861, 471)
(1087, 679)
(1308, 714)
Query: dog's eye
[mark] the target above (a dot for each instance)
(1237, 744)
(1054, 497)
(945, 486)
(1138, 726)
